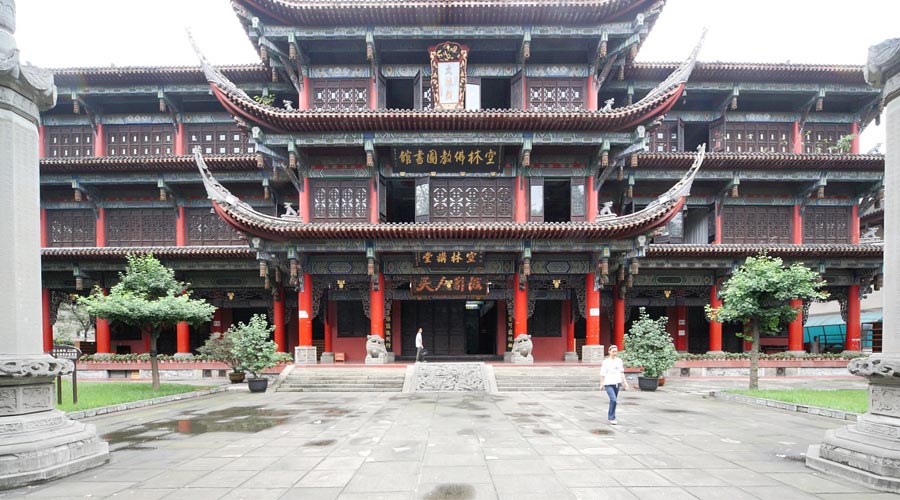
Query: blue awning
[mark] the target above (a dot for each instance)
(835, 319)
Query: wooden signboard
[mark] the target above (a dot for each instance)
(462, 286)
(448, 75)
(448, 159)
(71, 353)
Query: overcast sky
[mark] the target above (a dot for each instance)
(67, 33)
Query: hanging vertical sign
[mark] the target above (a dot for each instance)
(448, 75)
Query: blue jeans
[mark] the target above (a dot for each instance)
(613, 392)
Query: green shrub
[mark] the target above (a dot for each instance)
(648, 345)
(253, 347)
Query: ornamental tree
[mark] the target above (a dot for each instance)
(252, 344)
(149, 297)
(758, 295)
(649, 346)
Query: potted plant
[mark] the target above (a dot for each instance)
(254, 349)
(220, 347)
(649, 346)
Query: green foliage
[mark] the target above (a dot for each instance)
(99, 394)
(148, 296)
(852, 400)
(220, 347)
(777, 355)
(281, 358)
(253, 347)
(648, 345)
(264, 99)
(843, 144)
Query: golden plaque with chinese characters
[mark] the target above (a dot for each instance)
(448, 75)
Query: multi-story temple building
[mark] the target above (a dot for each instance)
(480, 170)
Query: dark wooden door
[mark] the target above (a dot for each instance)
(443, 326)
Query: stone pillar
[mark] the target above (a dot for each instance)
(591, 351)
(278, 320)
(869, 451)
(37, 441)
(795, 330)
(715, 327)
(183, 340)
(305, 352)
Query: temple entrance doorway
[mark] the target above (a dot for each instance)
(450, 328)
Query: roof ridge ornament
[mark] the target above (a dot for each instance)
(213, 75)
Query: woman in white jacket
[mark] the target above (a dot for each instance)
(612, 374)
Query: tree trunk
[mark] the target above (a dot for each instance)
(754, 357)
(154, 364)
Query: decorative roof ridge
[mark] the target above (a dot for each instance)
(144, 159)
(752, 65)
(761, 156)
(165, 252)
(77, 70)
(811, 250)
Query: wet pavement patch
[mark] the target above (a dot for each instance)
(543, 432)
(238, 419)
(451, 491)
(601, 432)
(320, 442)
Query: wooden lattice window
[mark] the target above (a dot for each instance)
(205, 227)
(471, 200)
(71, 228)
(68, 142)
(826, 224)
(757, 224)
(139, 140)
(340, 200)
(555, 94)
(217, 138)
(664, 139)
(758, 138)
(547, 319)
(351, 319)
(340, 94)
(823, 137)
(140, 227)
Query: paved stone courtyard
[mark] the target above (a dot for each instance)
(671, 444)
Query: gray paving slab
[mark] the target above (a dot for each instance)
(670, 444)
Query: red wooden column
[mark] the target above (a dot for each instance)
(100, 141)
(42, 137)
(179, 139)
(46, 324)
(304, 312)
(520, 308)
(797, 138)
(853, 319)
(618, 318)
(568, 325)
(854, 225)
(45, 236)
(795, 329)
(303, 201)
(100, 229)
(278, 319)
(101, 329)
(373, 201)
(180, 228)
(376, 307)
(331, 327)
(717, 213)
(183, 338)
(373, 94)
(521, 212)
(854, 143)
(501, 327)
(797, 226)
(592, 314)
(591, 100)
(303, 95)
(715, 328)
(591, 196)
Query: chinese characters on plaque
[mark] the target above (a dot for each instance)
(454, 159)
(449, 286)
(460, 259)
(448, 75)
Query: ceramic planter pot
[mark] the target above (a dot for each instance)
(236, 377)
(648, 383)
(258, 384)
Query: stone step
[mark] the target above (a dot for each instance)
(338, 389)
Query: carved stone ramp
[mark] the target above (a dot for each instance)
(449, 377)
(512, 378)
(305, 378)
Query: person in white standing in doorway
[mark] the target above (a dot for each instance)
(612, 375)
(420, 347)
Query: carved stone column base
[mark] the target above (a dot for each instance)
(391, 357)
(570, 357)
(592, 354)
(795, 353)
(869, 451)
(101, 355)
(183, 355)
(519, 359)
(376, 361)
(327, 358)
(305, 354)
(507, 356)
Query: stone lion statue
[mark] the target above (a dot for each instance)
(375, 347)
(522, 349)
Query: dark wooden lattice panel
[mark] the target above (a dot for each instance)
(756, 224)
(207, 228)
(217, 138)
(826, 225)
(758, 138)
(139, 140)
(131, 227)
(471, 200)
(351, 319)
(68, 142)
(556, 94)
(664, 139)
(71, 228)
(547, 319)
(823, 137)
(340, 94)
(339, 200)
